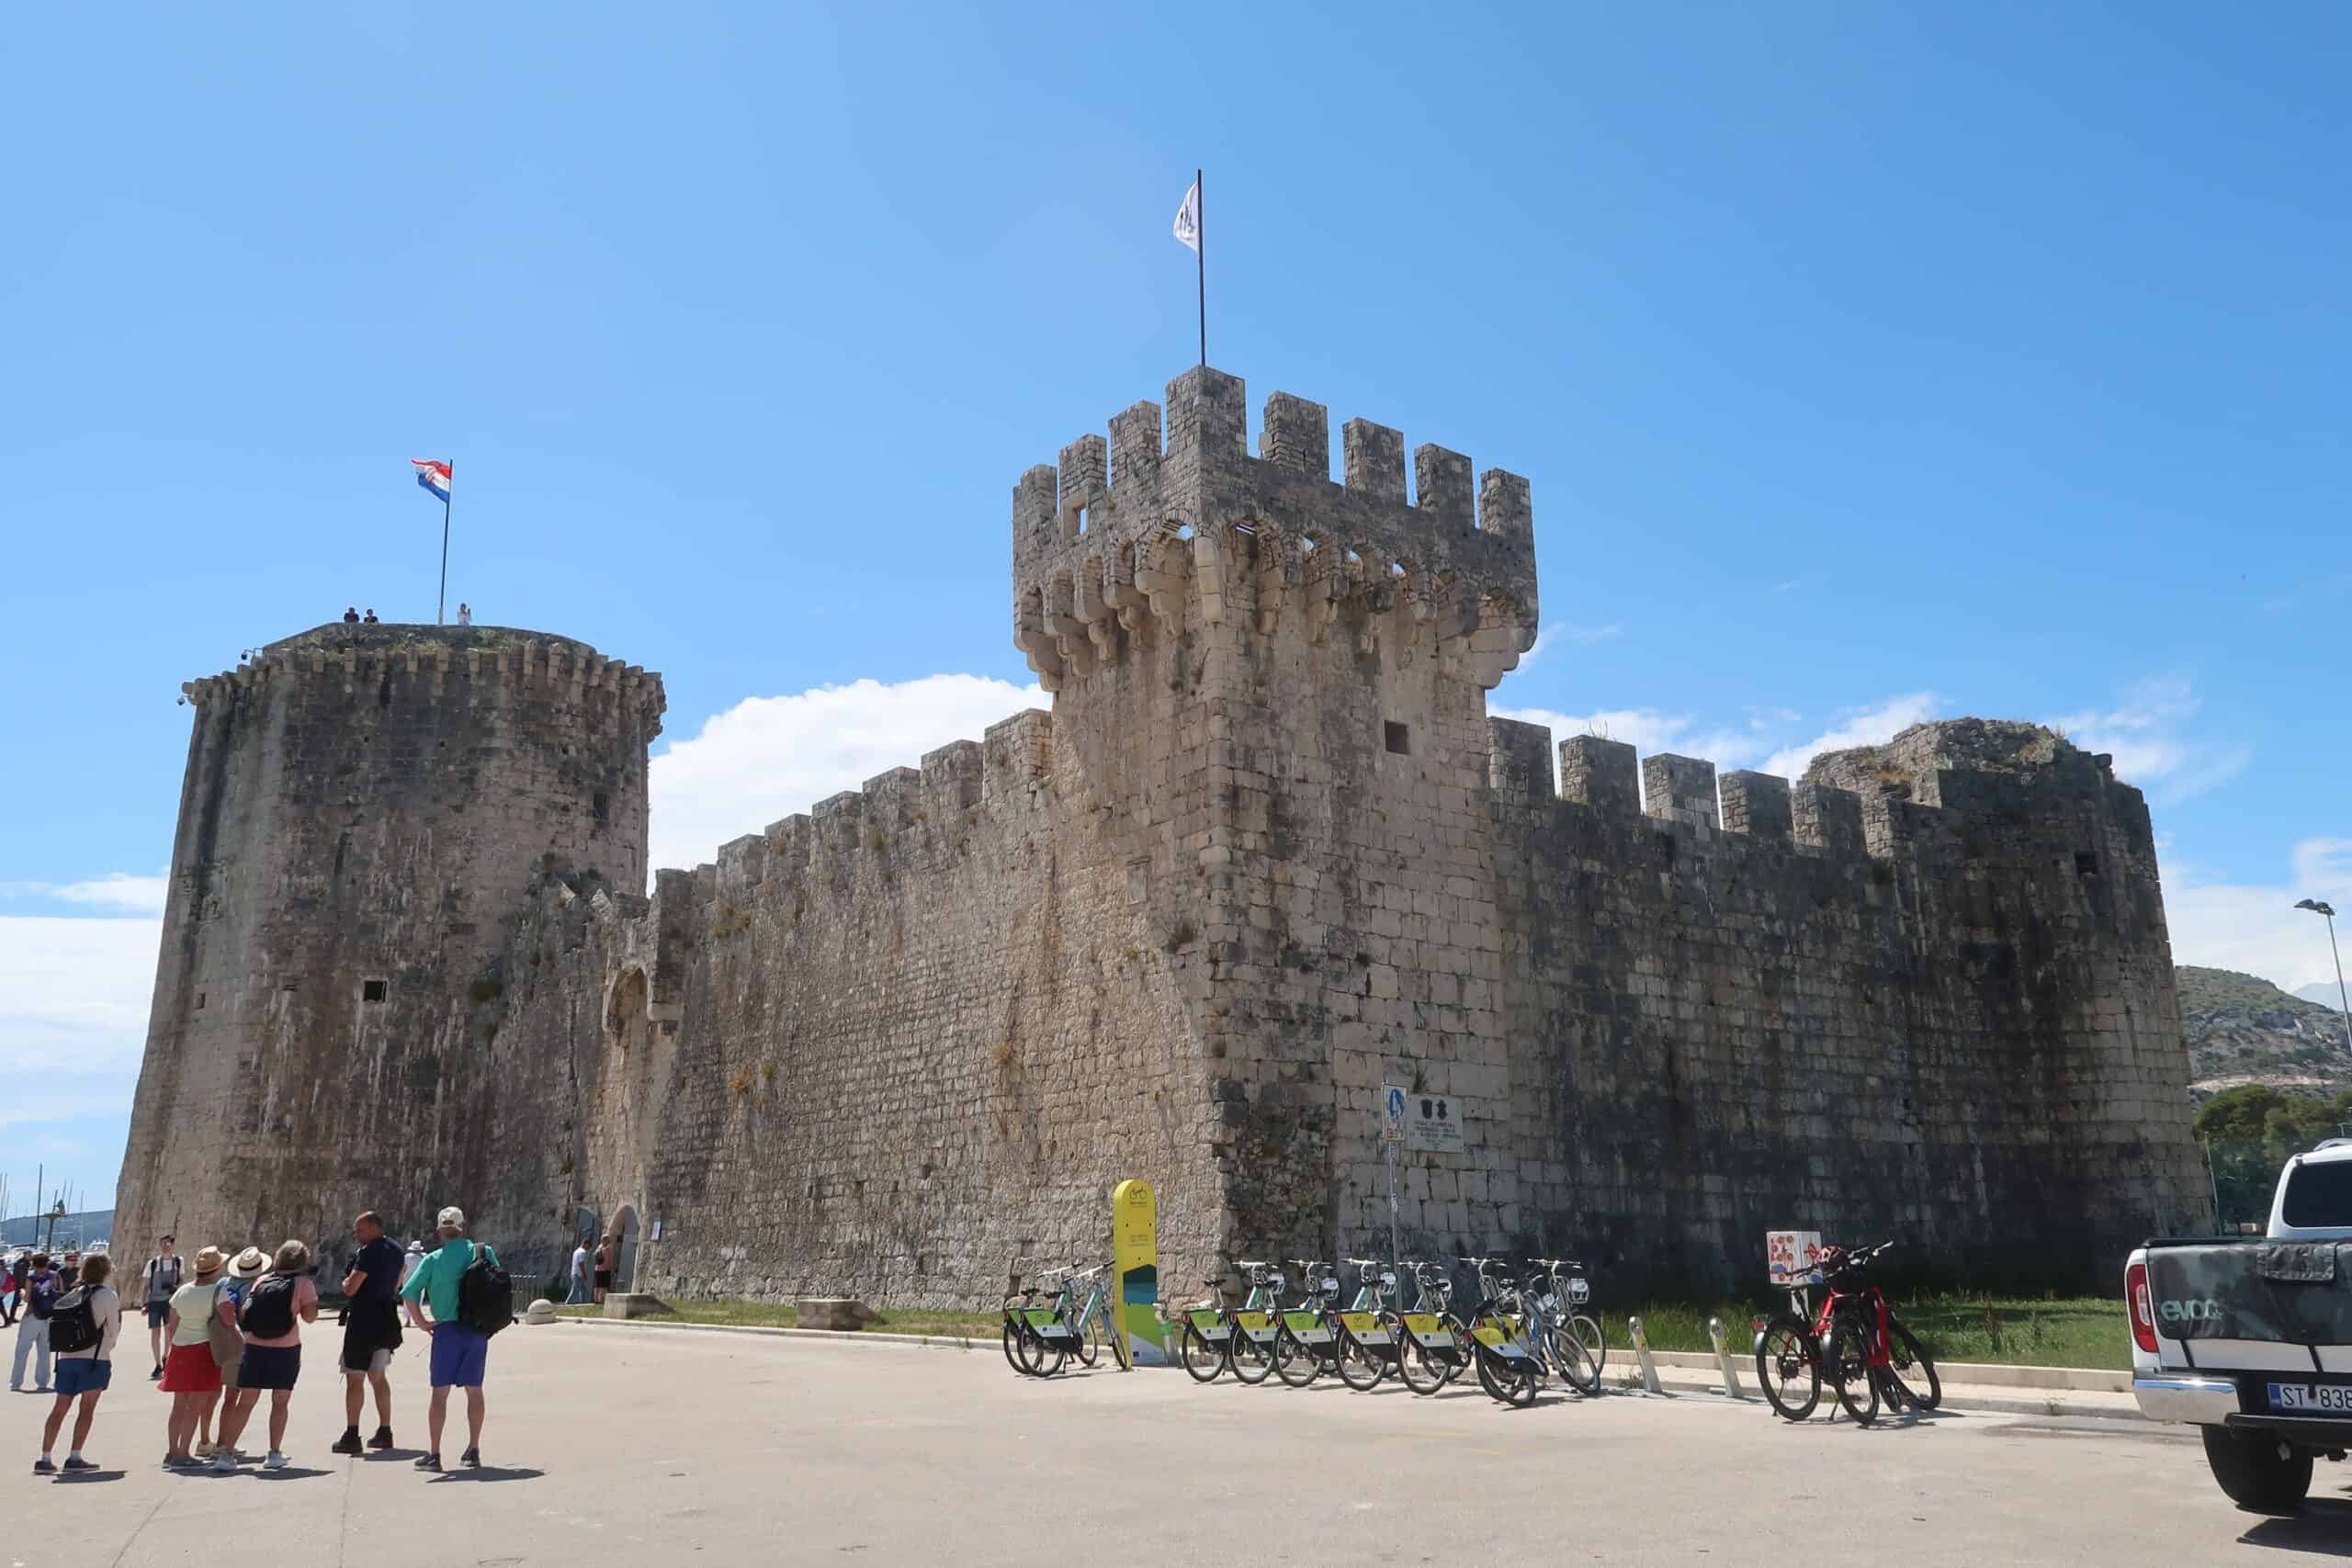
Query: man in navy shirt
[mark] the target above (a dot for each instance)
(371, 1331)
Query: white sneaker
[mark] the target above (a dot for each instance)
(223, 1463)
(275, 1462)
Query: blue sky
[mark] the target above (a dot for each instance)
(1868, 364)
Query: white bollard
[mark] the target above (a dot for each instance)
(1642, 1353)
(1722, 1359)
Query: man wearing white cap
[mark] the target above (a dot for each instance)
(459, 1351)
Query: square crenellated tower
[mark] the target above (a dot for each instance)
(1104, 544)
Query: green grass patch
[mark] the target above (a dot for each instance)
(783, 1314)
(2081, 1331)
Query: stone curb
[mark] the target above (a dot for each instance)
(2079, 1379)
(2054, 1404)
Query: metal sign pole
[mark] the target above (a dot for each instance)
(1389, 1150)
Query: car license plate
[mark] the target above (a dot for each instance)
(2326, 1396)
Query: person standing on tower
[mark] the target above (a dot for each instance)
(351, 614)
(465, 614)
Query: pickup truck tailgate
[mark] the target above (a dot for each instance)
(2255, 1306)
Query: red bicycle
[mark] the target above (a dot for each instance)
(1855, 1340)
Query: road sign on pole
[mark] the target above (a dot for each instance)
(1392, 1134)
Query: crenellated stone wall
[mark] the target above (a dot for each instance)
(1268, 852)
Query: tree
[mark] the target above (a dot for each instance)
(2249, 1133)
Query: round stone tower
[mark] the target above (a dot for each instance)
(364, 811)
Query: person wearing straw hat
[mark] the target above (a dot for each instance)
(230, 1349)
(200, 1312)
(276, 1307)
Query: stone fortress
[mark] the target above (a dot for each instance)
(1267, 854)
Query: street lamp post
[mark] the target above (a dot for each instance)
(2317, 907)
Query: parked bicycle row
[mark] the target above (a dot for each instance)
(1522, 1332)
(1526, 1329)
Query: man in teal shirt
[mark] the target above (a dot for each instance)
(459, 1351)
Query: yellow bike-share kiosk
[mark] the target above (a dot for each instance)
(1135, 1274)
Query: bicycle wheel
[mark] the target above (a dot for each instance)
(1847, 1364)
(1788, 1365)
(1915, 1369)
(1251, 1360)
(1418, 1365)
(1203, 1357)
(1462, 1347)
(1295, 1362)
(1512, 1380)
(1086, 1338)
(1577, 1358)
(1016, 1349)
(1360, 1365)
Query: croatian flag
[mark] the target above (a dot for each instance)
(433, 475)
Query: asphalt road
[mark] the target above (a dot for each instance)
(620, 1445)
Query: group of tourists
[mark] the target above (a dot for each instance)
(224, 1330)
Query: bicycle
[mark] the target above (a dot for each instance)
(1032, 1334)
(1577, 1346)
(1090, 1324)
(1371, 1338)
(1216, 1338)
(1855, 1340)
(1508, 1353)
(1309, 1339)
(1437, 1343)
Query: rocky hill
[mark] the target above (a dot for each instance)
(2246, 1030)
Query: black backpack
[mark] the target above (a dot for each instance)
(485, 1294)
(73, 1322)
(269, 1312)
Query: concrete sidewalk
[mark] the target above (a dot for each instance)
(2068, 1392)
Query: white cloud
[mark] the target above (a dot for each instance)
(2257, 928)
(769, 757)
(73, 995)
(118, 891)
(2146, 734)
(1856, 727)
(1556, 632)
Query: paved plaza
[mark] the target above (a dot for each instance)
(628, 1445)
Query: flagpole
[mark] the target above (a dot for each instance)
(1201, 255)
(440, 605)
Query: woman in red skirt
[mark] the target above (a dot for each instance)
(191, 1375)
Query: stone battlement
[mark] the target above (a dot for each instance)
(393, 657)
(1268, 854)
(1109, 542)
(1854, 803)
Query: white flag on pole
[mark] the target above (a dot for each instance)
(1188, 217)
